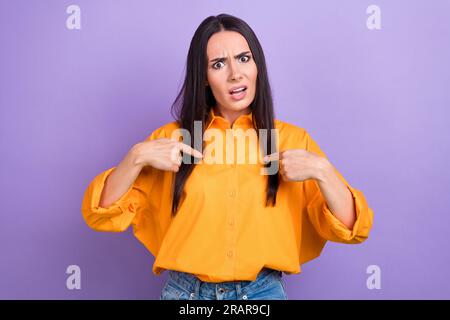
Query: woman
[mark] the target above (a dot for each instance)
(223, 226)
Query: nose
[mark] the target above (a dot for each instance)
(235, 72)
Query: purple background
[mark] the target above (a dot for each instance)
(74, 101)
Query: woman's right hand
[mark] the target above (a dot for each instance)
(163, 153)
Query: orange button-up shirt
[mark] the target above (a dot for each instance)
(222, 230)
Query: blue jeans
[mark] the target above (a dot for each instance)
(185, 286)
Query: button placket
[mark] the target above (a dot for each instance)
(230, 220)
(229, 148)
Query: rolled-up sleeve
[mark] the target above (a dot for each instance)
(324, 221)
(126, 210)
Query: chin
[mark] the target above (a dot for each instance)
(241, 106)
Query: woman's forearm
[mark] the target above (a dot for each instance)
(338, 197)
(120, 179)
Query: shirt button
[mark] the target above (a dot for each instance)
(192, 295)
(221, 290)
(230, 253)
(244, 297)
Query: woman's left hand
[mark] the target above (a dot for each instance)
(299, 164)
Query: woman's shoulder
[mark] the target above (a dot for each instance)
(292, 136)
(163, 131)
(289, 129)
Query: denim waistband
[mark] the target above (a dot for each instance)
(192, 283)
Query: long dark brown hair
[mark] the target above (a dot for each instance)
(195, 100)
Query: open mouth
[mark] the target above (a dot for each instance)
(237, 91)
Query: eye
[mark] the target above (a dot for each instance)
(215, 65)
(247, 58)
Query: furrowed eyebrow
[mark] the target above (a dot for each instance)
(237, 56)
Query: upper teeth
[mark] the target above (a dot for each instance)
(237, 90)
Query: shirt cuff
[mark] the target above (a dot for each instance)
(117, 207)
(340, 229)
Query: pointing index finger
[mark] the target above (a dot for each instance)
(189, 150)
(272, 157)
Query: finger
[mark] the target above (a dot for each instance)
(175, 154)
(271, 157)
(287, 151)
(189, 150)
(281, 169)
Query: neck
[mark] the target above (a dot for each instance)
(230, 115)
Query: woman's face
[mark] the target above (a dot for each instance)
(231, 65)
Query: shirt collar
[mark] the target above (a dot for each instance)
(213, 120)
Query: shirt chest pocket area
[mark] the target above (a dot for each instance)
(204, 179)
